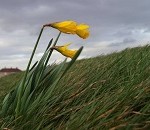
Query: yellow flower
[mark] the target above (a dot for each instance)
(68, 27)
(65, 51)
(82, 31)
(71, 27)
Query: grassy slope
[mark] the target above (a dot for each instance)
(103, 92)
(6, 83)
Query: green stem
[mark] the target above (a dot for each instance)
(51, 50)
(33, 52)
(25, 75)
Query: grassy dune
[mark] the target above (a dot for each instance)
(105, 92)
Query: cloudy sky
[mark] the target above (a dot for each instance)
(114, 25)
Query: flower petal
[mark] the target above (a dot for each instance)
(65, 51)
(68, 27)
(82, 31)
(82, 26)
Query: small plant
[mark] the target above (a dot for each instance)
(36, 89)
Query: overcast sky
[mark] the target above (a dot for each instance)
(114, 25)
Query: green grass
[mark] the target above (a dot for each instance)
(104, 92)
(7, 83)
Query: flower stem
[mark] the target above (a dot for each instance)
(33, 52)
(25, 75)
(51, 50)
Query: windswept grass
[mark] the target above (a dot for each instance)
(7, 83)
(105, 92)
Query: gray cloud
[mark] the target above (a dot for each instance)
(126, 41)
(114, 25)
